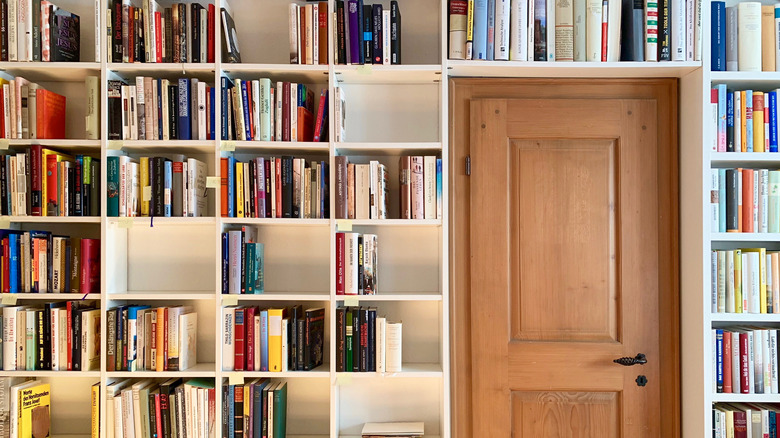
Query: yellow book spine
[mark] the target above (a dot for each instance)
(762, 273)
(738, 281)
(95, 411)
(743, 121)
(758, 121)
(239, 189)
(275, 340)
(160, 333)
(144, 165)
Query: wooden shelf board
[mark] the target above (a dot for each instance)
(745, 237)
(746, 398)
(541, 69)
(278, 296)
(51, 71)
(277, 221)
(388, 74)
(54, 219)
(265, 147)
(286, 72)
(410, 370)
(402, 296)
(742, 159)
(322, 371)
(162, 295)
(199, 370)
(57, 374)
(54, 296)
(388, 148)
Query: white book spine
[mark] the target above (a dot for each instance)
(764, 204)
(386, 37)
(255, 109)
(501, 47)
(285, 347)
(9, 338)
(737, 122)
(714, 201)
(380, 344)
(678, 30)
(735, 370)
(754, 283)
(12, 31)
(564, 30)
(613, 30)
(518, 30)
(308, 27)
(315, 11)
(204, 25)
(749, 40)
(727, 302)
(773, 355)
(593, 28)
(715, 281)
(24, 30)
(531, 32)
(293, 26)
(429, 184)
(690, 17)
(351, 267)
(201, 110)
(393, 344)
(766, 364)
(651, 30)
(228, 347)
(756, 199)
(550, 44)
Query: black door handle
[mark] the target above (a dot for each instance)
(630, 361)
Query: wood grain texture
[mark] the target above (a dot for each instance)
(661, 91)
(565, 414)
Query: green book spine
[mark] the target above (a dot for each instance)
(280, 410)
(348, 342)
(250, 268)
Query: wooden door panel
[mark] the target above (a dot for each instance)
(553, 414)
(563, 250)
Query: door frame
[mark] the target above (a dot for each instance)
(665, 91)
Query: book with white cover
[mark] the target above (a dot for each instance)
(393, 347)
(228, 343)
(518, 30)
(550, 45)
(187, 340)
(394, 429)
(614, 12)
(593, 30)
(502, 30)
(749, 39)
(564, 30)
(678, 30)
(580, 10)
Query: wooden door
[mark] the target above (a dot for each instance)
(565, 269)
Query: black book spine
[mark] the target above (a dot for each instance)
(158, 186)
(238, 400)
(196, 32)
(300, 347)
(173, 105)
(3, 185)
(342, 37)
(377, 22)
(165, 410)
(94, 196)
(361, 263)
(732, 192)
(664, 24)
(36, 30)
(252, 189)
(363, 339)
(141, 42)
(71, 190)
(39, 341)
(116, 31)
(76, 347)
(125, 343)
(47, 336)
(368, 34)
(114, 110)
(730, 121)
(287, 186)
(225, 263)
(360, 36)
(341, 313)
(296, 313)
(395, 33)
(168, 55)
(355, 339)
(371, 340)
(183, 29)
(153, 414)
(4, 30)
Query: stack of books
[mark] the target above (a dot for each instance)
(367, 34)
(256, 408)
(309, 33)
(745, 281)
(745, 200)
(275, 339)
(39, 30)
(140, 338)
(263, 111)
(159, 109)
(582, 30)
(62, 336)
(181, 33)
(744, 37)
(45, 182)
(745, 360)
(174, 407)
(156, 186)
(389, 430)
(29, 111)
(420, 187)
(361, 189)
(367, 343)
(745, 420)
(743, 121)
(357, 270)
(42, 262)
(26, 408)
(243, 262)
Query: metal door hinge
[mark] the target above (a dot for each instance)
(468, 165)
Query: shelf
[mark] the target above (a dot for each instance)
(746, 398)
(54, 374)
(276, 221)
(53, 296)
(745, 237)
(266, 147)
(745, 318)
(747, 78)
(146, 68)
(541, 69)
(388, 74)
(158, 146)
(321, 371)
(162, 295)
(393, 222)
(410, 370)
(199, 370)
(146, 221)
(286, 72)
(744, 159)
(53, 219)
(51, 71)
(59, 143)
(403, 296)
(393, 148)
(278, 296)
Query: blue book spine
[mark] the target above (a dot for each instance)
(231, 186)
(260, 268)
(438, 188)
(480, 29)
(160, 121)
(749, 120)
(360, 36)
(112, 206)
(257, 405)
(323, 189)
(226, 263)
(13, 263)
(719, 357)
(354, 42)
(730, 122)
(718, 32)
(491, 27)
(722, 200)
(263, 340)
(721, 117)
(245, 105)
(184, 109)
(168, 181)
(223, 113)
(231, 410)
(212, 113)
(772, 121)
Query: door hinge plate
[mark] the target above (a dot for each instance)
(468, 165)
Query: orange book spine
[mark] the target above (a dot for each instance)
(160, 336)
(223, 168)
(747, 200)
(758, 121)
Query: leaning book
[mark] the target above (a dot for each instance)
(34, 411)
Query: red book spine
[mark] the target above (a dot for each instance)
(90, 266)
(747, 200)
(158, 41)
(339, 263)
(286, 111)
(69, 308)
(323, 31)
(250, 110)
(210, 37)
(744, 363)
(320, 115)
(50, 114)
(278, 187)
(36, 180)
(727, 385)
(6, 267)
(157, 409)
(223, 166)
(2, 113)
(267, 165)
(165, 341)
(130, 33)
(604, 35)
(740, 424)
(249, 324)
(238, 357)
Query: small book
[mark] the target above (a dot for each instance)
(230, 51)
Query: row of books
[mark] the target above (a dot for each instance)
(181, 33)
(159, 109)
(583, 30)
(309, 33)
(367, 34)
(26, 407)
(357, 269)
(275, 339)
(174, 408)
(61, 336)
(141, 338)
(243, 262)
(745, 200)
(38, 30)
(254, 409)
(43, 262)
(745, 360)
(744, 37)
(366, 342)
(361, 189)
(29, 111)
(745, 281)
(263, 111)
(44, 182)
(156, 186)
(745, 420)
(744, 121)
(275, 187)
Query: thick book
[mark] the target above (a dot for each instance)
(50, 109)
(749, 39)
(230, 50)
(314, 338)
(65, 36)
